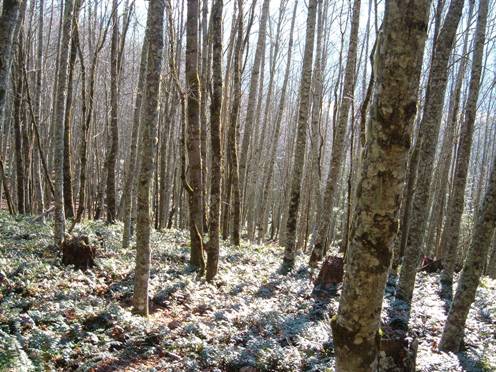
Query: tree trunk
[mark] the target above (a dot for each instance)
(193, 140)
(58, 125)
(216, 144)
(452, 336)
(456, 203)
(68, 197)
(127, 192)
(114, 128)
(269, 167)
(8, 22)
(252, 95)
(324, 215)
(232, 152)
(397, 67)
(428, 135)
(154, 35)
(301, 134)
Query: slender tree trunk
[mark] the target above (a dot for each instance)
(58, 125)
(269, 168)
(397, 68)
(428, 135)
(232, 152)
(453, 332)
(303, 111)
(216, 145)
(154, 31)
(127, 192)
(68, 197)
(324, 215)
(456, 203)
(252, 95)
(114, 128)
(193, 140)
(8, 22)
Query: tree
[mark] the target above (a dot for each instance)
(456, 203)
(252, 95)
(194, 186)
(8, 21)
(58, 119)
(397, 67)
(299, 155)
(216, 143)
(429, 132)
(114, 127)
(473, 268)
(232, 151)
(324, 217)
(127, 192)
(154, 35)
(484, 227)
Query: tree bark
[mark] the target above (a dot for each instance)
(428, 136)
(193, 140)
(154, 31)
(58, 125)
(299, 155)
(324, 215)
(397, 68)
(114, 128)
(456, 202)
(8, 22)
(216, 144)
(252, 95)
(127, 192)
(473, 268)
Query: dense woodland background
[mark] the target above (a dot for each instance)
(359, 136)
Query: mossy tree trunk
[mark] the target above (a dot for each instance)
(428, 135)
(397, 67)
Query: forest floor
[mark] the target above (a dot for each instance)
(252, 318)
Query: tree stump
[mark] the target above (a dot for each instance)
(330, 275)
(77, 251)
(398, 355)
(430, 265)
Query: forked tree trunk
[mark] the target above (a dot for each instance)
(397, 67)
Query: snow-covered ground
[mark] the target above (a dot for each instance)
(56, 318)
